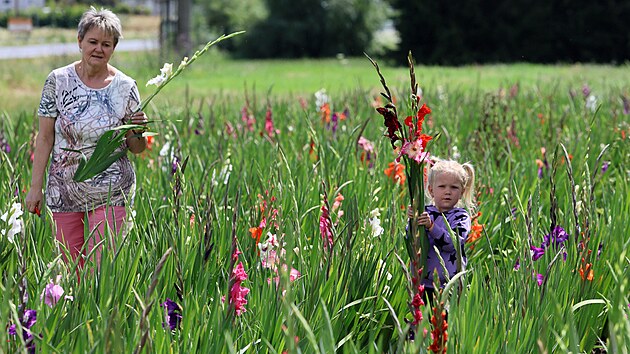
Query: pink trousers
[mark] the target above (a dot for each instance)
(71, 231)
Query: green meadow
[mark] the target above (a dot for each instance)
(244, 151)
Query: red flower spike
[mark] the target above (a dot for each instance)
(391, 122)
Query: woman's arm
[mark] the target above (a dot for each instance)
(43, 146)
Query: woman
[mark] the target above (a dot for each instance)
(79, 103)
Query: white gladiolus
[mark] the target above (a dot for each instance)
(591, 103)
(375, 223)
(13, 220)
(321, 98)
(165, 73)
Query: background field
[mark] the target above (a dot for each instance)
(353, 298)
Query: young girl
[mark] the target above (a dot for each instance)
(451, 187)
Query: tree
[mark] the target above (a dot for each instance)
(309, 28)
(183, 44)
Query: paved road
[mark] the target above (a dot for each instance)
(41, 50)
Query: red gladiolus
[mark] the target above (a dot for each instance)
(391, 122)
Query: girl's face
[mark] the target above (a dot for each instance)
(96, 47)
(446, 191)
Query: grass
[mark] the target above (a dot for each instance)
(353, 297)
(216, 76)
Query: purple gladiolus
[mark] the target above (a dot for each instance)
(174, 165)
(558, 236)
(173, 315)
(28, 320)
(626, 105)
(537, 252)
(586, 91)
(605, 166)
(517, 265)
(539, 279)
(335, 122)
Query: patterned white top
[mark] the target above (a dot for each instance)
(82, 114)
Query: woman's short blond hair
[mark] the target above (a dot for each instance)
(103, 19)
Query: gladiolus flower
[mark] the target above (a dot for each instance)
(28, 320)
(325, 225)
(13, 220)
(238, 274)
(537, 252)
(415, 151)
(165, 73)
(475, 232)
(368, 151)
(52, 293)
(391, 122)
(172, 314)
(237, 298)
(558, 236)
(396, 171)
(539, 279)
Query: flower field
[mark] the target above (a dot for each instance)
(275, 223)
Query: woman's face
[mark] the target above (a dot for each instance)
(96, 47)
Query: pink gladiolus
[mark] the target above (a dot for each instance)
(294, 274)
(415, 151)
(239, 273)
(51, 294)
(235, 255)
(237, 298)
(325, 226)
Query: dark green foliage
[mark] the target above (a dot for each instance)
(481, 31)
(315, 29)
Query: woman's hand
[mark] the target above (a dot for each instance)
(139, 118)
(34, 200)
(136, 142)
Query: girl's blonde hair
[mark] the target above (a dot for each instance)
(464, 172)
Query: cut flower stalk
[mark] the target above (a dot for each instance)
(109, 147)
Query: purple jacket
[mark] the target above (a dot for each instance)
(459, 221)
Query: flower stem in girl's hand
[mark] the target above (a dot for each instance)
(109, 146)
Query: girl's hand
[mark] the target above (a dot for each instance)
(423, 220)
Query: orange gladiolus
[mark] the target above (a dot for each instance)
(325, 110)
(396, 171)
(256, 233)
(475, 231)
(586, 271)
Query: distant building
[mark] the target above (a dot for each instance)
(20, 5)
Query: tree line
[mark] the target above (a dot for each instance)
(437, 32)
